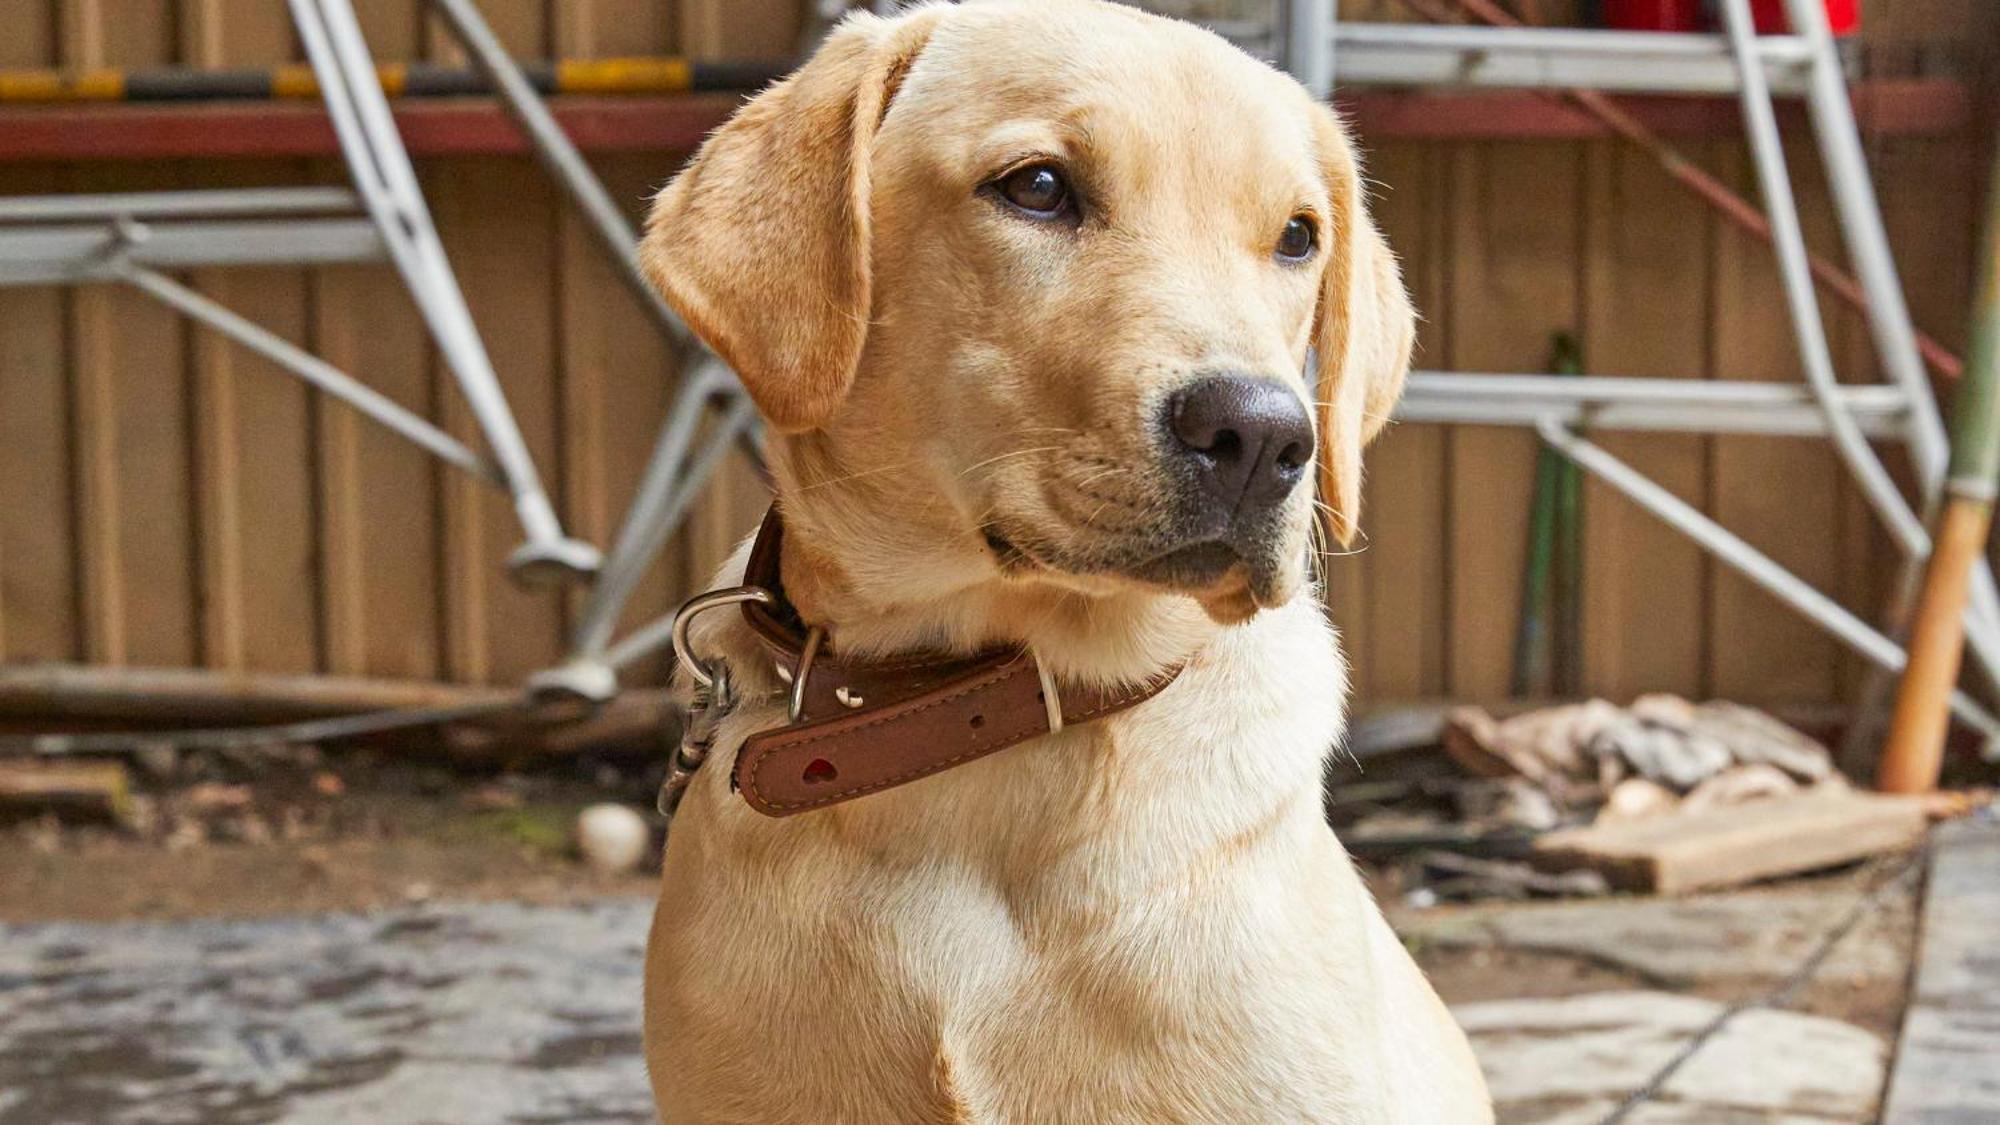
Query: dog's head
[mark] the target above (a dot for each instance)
(1045, 274)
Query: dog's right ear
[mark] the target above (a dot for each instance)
(762, 241)
(1364, 333)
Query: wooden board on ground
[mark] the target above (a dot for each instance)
(89, 790)
(192, 695)
(1948, 1059)
(1739, 844)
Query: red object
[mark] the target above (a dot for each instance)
(1844, 16)
(1655, 15)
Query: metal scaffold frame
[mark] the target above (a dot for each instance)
(131, 238)
(139, 239)
(1806, 64)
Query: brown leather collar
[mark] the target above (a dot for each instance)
(866, 726)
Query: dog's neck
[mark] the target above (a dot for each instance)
(889, 575)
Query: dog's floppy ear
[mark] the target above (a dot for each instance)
(1363, 331)
(762, 241)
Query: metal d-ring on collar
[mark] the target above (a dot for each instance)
(700, 604)
(737, 595)
(797, 677)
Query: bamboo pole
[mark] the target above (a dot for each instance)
(1914, 756)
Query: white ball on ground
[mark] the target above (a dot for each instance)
(613, 838)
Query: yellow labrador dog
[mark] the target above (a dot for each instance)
(1025, 289)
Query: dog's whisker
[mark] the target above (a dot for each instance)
(879, 469)
(1006, 456)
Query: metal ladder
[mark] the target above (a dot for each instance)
(1316, 48)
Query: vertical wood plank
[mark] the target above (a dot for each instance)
(135, 535)
(608, 28)
(1645, 303)
(254, 504)
(392, 28)
(378, 501)
(379, 509)
(37, 544)
(1782, 495)
(1393, 618)
(740, 29)
(37, 587)
(1516, 241)
(522, 26)
(497, 218)
(31, 33)
(100, 33)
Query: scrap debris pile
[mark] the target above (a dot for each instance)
(1663, 796)
(1659, 756)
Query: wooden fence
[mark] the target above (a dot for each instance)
(166, 500)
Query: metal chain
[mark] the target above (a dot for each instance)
(1779, 996)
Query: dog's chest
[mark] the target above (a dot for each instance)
(1135, 920)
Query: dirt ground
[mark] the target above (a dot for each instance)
(246, 839)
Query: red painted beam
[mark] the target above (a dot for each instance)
(1912, 107)
(444, 127)
(477, 126)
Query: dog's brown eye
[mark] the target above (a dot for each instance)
(1037, 189)
(1298, 240)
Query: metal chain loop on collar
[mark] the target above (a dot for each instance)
(713, 696)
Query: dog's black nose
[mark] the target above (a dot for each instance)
(1249, 440)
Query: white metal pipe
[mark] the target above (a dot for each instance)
(1887, 310)
(1801, 299)
(1477, 39)
(562, 161)
(1646, 405)
(1860, 215)
(1557, 58)
(1720, 393)
(1309, 27)
(1778, 421)
(1746, 560)
(382, 172)
(73, 253)
(645, 527)
(311, 368)
(371, 108)
(181, 204)
(651, 637)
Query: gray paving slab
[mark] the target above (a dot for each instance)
(1948, 1057)
(1569, 1060)
(1677, 942)
(454, 1013)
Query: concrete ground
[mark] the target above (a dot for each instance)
(510, 1013)
(453, 1014)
